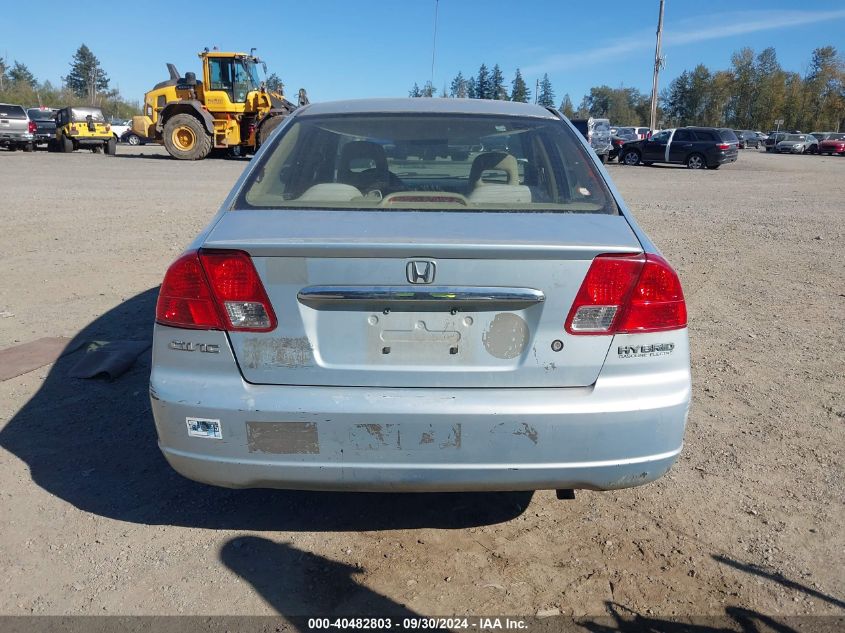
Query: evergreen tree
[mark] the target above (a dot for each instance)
(458, 87)
(19, 75)
(415, 91)
(274, 83)
(3, 77)
(546, 95)
(771, 93)
(428, 89)
(676, 99)
(566, 107)
(472, 90)
(482, 84)
(497, 84)
(86, 77)
(519, 89)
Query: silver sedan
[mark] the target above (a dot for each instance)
(798, 144)
(420, 295)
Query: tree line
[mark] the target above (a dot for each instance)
(752, 94)
(85, 84)
(490, 84)
(755, 92)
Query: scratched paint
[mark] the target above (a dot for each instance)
(528, 431)
(405, 437)
(278, 352)
(507, 336)
(282, 438)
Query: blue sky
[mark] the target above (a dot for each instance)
(358, 48)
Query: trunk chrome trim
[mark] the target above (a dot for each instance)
(414, 298)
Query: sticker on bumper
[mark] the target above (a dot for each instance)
(203, 427)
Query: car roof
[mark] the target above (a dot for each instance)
(426, 105)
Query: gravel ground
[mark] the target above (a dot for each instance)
(749, 521)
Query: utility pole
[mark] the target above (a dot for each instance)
(536, 89)
(434, 44)
(658, 64)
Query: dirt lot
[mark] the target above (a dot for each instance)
(93, 521)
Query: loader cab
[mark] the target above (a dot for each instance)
(229, 79)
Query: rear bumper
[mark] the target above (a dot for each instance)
(419, 477)
(15, 138)
(624, 431)
(723, 159)
(84, 141)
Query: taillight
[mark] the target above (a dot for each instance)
(238, 290)
(628, 294)
(214, 290)
(33, 127)
(722, 146)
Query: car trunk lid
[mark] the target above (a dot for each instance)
(491, 315)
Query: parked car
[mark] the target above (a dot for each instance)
(133, 138)
(773, 139)
(624, 131)
(82, 127)
(695, 147)
(747, 138)
(16, 130)
(642, 132)
(834, 143)
(797, 144)
(45, 124)
(119, 128)
(618, 141)
(597, 133)
(326, 331)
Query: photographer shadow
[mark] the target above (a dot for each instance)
(92, 443)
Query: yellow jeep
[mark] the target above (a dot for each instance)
(83, 127)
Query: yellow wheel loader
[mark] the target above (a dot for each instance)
(229, 110)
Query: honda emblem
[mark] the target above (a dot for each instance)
(420, 271)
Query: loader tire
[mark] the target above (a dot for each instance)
(185, 138)
(267, 128)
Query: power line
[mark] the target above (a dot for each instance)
(434, 42)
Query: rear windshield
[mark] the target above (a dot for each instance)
(835, 137)
(427, 162)
(37, 114)
(12, 112)
(728, 136)
(82, 114)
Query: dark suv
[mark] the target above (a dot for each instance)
(695, 147)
